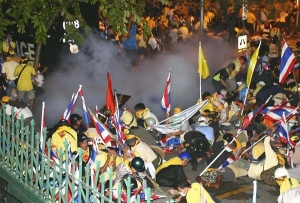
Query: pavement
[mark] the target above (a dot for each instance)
(238, 191)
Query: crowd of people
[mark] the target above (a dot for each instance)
(242, 123)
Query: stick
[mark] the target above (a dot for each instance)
(254, 191)
(266, 131)
(202, 70)
(153, 182)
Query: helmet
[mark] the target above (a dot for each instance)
(5, 99)
(112, 145)
(228, 137)
(202, 119)
(138, 164)
(150, 122)
(24, 59)
(200, 146)
(74, 118)
(295, 138)
(177, 110)
(63, 122)
(281, 172)
(185, 155)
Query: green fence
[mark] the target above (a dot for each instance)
(34, 176)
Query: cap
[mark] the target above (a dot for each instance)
(82, 137)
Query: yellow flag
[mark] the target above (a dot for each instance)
(252, 64)
(202, 65)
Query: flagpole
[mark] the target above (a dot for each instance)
(42, 118)
(266, 131)
(199, 61)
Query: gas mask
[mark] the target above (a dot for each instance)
(227, 149)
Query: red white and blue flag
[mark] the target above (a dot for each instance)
(284, 134)
(92, 162)
(228, 161)
(85, 113)
(166, 99)
(101, 130)
(275, 114)
(288, 61)
(71, 106)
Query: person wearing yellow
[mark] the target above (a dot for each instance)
(142, 113)
(217, 100)
(8, 46)
(62, 134)
(151, 158)
(170, 173)
(25, 73)
(285, 182)
(195, 193)
(109, 159)
(208, 105)
(8, 69)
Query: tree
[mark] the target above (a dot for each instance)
(43, 14)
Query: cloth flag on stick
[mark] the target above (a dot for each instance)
(85, 113)
(166, 98)
(110, 101)
(43, 125)
(177, 120)
(287, 63)
(71, 105)
(101, 129)
(276, 113)
(92, 162)
(283, 132)
(203, 69)
(252, 64)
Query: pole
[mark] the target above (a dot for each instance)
(219, 154)
(200, 62)
(254, 191)
(153, 182)
(288, 116)
(201, 17)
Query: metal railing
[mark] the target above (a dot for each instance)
(46, 179)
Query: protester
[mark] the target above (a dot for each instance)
(76, 123)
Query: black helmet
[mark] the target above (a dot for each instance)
(138, 164)
(200, 147)
(74, 118)
(228, 137)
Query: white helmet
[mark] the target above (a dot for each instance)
(202, 119)
(281, 172)
(150, 122)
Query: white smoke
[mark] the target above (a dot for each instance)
(96, 58)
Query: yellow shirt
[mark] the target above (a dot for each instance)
(197, 194)
(101, 158)
(59, 137)
(24, 83)
(5, 47)
(170, 162)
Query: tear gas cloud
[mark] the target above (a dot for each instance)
(147, 84)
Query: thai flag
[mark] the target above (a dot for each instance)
(85, 113)
(228, 161)
(43, 126)
(283, 132)
(101, 129)
(276, 113)
(288, 61)
(53, 158)
(71, 105)
(250, 117)
(92, 162)
(117, 123)
(166, 99)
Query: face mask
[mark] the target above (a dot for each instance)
(139, 114)
(228, 149)
(182, 194)
(291, 124)
(279, 182)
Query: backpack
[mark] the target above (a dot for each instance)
(267, 176)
